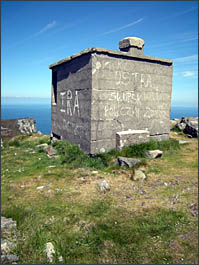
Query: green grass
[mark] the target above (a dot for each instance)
(130, 236)
(139, 150)
(92, 228)
(75, 157)
(15, 143)
(176, 129)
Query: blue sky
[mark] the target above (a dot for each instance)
(35, 34)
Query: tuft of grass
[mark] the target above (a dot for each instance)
(176, 129)
(75, 157)
(15, 143)
(139, 150)
(18, 213)
(42, 141)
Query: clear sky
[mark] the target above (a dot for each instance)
(35, 34)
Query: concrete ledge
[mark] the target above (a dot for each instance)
(111, 52)
(131, 137)
(159, 137)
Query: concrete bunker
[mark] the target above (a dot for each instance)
(99, 93)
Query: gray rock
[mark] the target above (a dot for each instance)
(181, 125)
(26, 125)
(15, 127)
(8, 228)
(126, 161)
(183, 142)
(94, 172)
(154, 153)
(7, 246)
(103, 186)
(82, 223)
(7, 259)
(50, 251)
(82, 180)
(8, 240)
(189, 125)
(174, 122)
(139, 175)
(43, 187)
(54, 139)
(4, 247)
(50, 151)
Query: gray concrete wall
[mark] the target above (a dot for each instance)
(70, 117)
(128, 93)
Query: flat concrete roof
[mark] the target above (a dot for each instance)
(111, 52)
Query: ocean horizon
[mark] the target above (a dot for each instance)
(42, 113)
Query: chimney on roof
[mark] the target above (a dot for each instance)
(132, 45)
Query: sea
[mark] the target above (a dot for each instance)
(42, 113)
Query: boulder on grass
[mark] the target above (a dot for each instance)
(127, 161)
(189, 125)
(103, 186)
(138, 175)
(154, 153)
(50, 251)
(50, 151)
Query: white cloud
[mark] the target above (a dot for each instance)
(46, 28)
(174, 42)
(189, 74)
(192, 58)
(122, 27)
(176, 14)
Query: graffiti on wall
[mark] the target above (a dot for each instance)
(127, 93)
(76, 129)
(72, 103)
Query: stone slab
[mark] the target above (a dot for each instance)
(131, 137)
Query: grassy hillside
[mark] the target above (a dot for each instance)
(154, 221)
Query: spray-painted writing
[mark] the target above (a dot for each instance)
(72, 103)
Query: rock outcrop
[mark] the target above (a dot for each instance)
(15, 127)
(189, 125)
(8, 241)
(26, 125)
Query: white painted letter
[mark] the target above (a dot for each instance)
(76, 103)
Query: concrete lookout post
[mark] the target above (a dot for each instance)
(98, 93)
